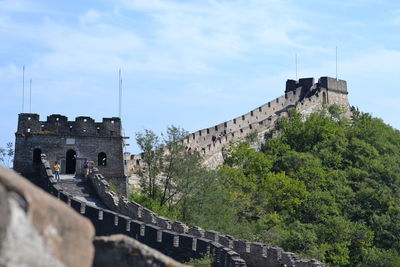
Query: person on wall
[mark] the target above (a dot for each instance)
(57, 168)
(85, 169)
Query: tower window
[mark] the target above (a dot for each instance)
(102, 159)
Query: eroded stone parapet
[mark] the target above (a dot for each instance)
(37, 229)
(122, 251)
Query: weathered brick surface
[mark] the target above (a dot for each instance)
(56, 136)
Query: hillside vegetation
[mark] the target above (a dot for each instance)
(326, 188)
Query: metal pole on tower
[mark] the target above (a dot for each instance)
(120, 94)
(337, 83)
(30, 95)
(296, 65)
(23, 87)
(336, 63)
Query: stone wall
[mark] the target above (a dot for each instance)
(255, 254)
(304, 95)
(123, 251)
(56, 136)
(171, 241)
(38, 230)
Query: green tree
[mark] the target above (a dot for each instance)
(150, 144)
(171, 175)
(7, 155)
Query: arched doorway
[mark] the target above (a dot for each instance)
(36, 158)
(102, 159)
(70, 163)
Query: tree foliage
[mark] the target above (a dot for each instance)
(172, 176)
(7, 155)
(331, 184)
(325, 187)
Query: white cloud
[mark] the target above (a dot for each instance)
(223, 29)
(19, 6)
(213, 56)
(182, 38)
(90, 16)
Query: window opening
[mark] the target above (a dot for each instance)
(102, 159)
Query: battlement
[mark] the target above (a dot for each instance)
(304, 83)
(305, 95)
(57, 124)
(307, 86)
(333, 84)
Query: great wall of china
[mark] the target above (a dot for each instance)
(305, 95)
(122, 216)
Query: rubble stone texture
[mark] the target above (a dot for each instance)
(37, 229)
(126, 251)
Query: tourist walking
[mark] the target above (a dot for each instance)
(57, 168)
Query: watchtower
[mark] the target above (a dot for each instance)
(334, 91)
(70, 143)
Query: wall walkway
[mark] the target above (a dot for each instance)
(180, 246)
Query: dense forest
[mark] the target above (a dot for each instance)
(325, 187)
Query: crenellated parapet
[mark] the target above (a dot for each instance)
(253, 253)
(71, 143)
(159, 233)
(29, 123)
(305, 95)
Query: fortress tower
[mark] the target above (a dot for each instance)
(70, 143)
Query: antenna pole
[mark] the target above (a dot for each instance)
(23, 87)
(296, 65)
(336, 64)
(120, 94)
(30, 96)
(337, 83)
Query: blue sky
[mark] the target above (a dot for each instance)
(191, 63)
